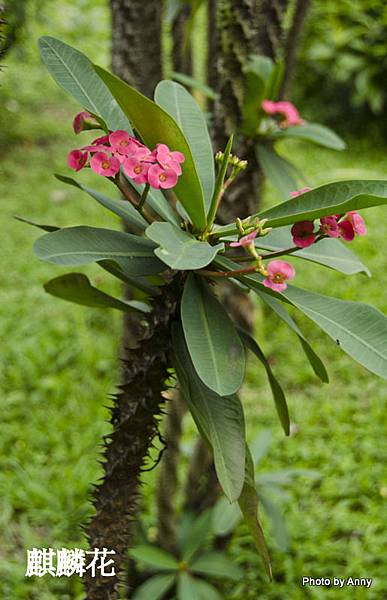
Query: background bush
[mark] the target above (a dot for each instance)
(342, 69)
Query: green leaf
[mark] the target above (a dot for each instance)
(201, 87)
(172, 9)
(328, 252)
(186, 587)
(251, 109)
(140, 283)
(76, 287)
(315, 361)
(282, 174)
(156, 126)
(279, 529)
(39, 225)
(74, 72)
(217, 565)
(197, 535)
(154, 588)
(219, 419)
(225, 517)
(275, 80)
(260, 65)
(277, 391)
(315, 133)
(206, 591)
(154, 557)
(248, 503)
(260, 445)
(122, 208)
(213, 343)
(285, 477)
(179, 103)
(359, 329)
(333, 198)
(82, 245)
(179, 249)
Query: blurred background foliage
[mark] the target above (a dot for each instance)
(342, 66)
(59, 365)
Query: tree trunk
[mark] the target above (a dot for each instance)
(136, 50)
(167, 483)
(135, 417)
(181, 45)
(212, 45)
(292, 42)
(244, 27)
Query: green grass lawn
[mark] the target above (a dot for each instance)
(59, 365)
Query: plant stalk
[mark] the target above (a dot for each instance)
(135, 417)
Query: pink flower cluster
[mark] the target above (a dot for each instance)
(278, 271)
(286, 109)
(336, 226)
(159, 168)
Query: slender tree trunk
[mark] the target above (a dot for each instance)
(212, 45)
(181, 44)
(136, 50)
(135, 417)
(168, 474)
(292, 42)
(244, 27)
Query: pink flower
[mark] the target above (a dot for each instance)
(159, 177)
(137, 169)
(246, 240)
(84, 120)
(300, 192)
(287, 109)
(269, 107)
(292, 116)
(95, 148)
(168, 159)
(303, 234)
(278, 271)
(77, 159)
(103, 164)
(123, 143)
(353, 224)
(346, 230)
(329, 227)
(104, 139)
(357, 223)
